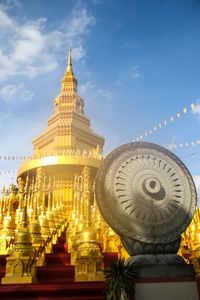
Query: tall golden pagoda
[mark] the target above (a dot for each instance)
(61, 177)
(68, 144)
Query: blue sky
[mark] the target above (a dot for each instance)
(137, 63)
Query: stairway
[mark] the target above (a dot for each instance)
(55, 280)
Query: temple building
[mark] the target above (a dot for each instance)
(56, 186)
(56, 200)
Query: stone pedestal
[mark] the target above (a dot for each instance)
(164, 271)
(183, 289)
(164, 281)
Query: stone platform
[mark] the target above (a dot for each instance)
(181, 288)
(164, 271)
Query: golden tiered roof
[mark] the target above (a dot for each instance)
(68, 128)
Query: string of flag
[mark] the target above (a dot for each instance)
(163, 123)
(190, 155)
(186, 144)
(5, 157)
(140, 137)
(7, 172)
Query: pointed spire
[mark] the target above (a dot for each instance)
(35, 215)
(24, 217)
(49, 206)
(26, 191)
(43, 198)
(24, 221)
(3, 189)
(69, 63)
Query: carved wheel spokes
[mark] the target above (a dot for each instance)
(146, 193)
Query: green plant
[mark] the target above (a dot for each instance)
(119, 280)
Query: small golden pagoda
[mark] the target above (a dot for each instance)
(21, 264)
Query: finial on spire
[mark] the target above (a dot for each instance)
(69, 63)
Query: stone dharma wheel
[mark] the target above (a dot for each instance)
(145, 193)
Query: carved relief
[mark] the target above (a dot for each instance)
(145, 193)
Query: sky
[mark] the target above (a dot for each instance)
(137, 63)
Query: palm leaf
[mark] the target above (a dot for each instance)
(119, 279)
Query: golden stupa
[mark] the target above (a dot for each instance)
(59, 192)
(56, 193)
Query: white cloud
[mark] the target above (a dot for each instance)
(134, 72)
(27, 49)
(11, 3)
(26, 52)
(120, 80)
(76, 28)
(95, 2)
(5, 21)
(89, 91)
(79, 23)
(196, 110)
(78, 52)
(86, 87)
(104, 93)
(30, 43)
(12, 92)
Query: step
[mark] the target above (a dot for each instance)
(55, 272)
(72, 290)
(58, 248)
(3, 260)
(56, 279)
(58, 258)
(2, 272)
(74, 298)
